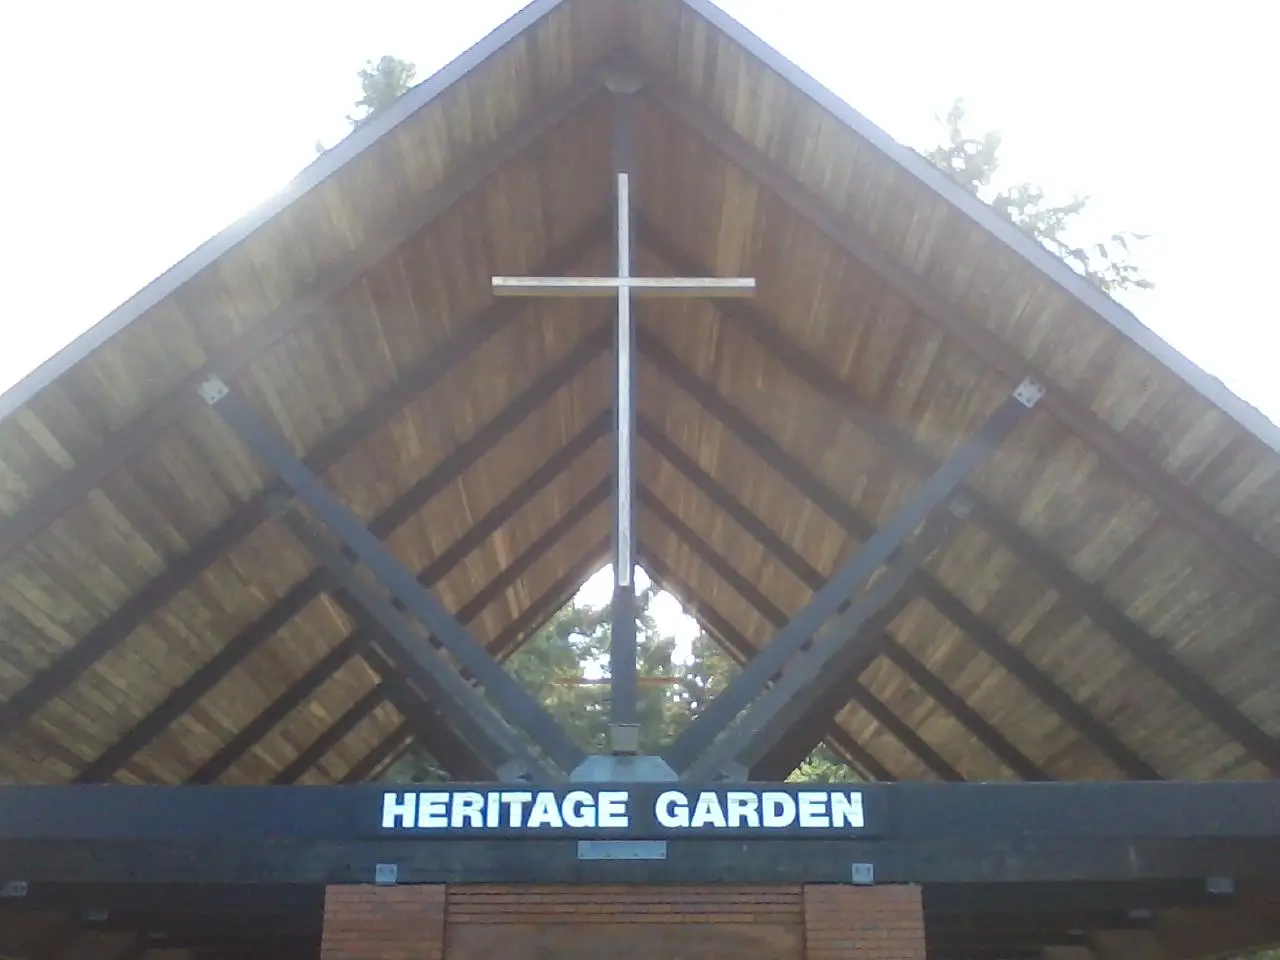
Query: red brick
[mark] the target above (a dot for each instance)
(867, 923)
(383, 923)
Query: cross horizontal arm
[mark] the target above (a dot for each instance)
(609, 286)
(515, 700)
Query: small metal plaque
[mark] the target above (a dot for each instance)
(13, 889)
(385, 874)
(863, 874)
(622, 849)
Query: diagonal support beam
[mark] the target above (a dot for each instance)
(457, 463)
(523, 709)
(1257, 561)
(847, 642)
(811, 577)
(116, 628)
(455, 744)
(979, 630)
(476, 717)
(874, 552)
(740, 649)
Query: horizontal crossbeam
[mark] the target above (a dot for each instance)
(609, 286)
(869, 558)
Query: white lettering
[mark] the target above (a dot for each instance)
(777, 810)
(545, 812)
(515, 801)
(743, 809)
(493, 810)
(671, 809)
(707, 812)
(394, 808)
(579, 809)
(813, 809)
(613, 809)
(433, 810)
(846, 810)
(468, 807)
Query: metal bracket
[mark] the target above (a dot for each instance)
(1220, 886)
(212, 390)
(1028, 392)
(862, 874)
(385, 874)
(622, 849)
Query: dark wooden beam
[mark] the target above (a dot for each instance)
(183, 571)
(408, 505)
(929, 588)
(483, 714)
(1182, 501)
(719, 627)
(127, 442)
(535, 616)
(977, 725)
(901, 730)
(230, 752)
(812, 578)
(364, 768)
(1251, 557)
(334, 519)
(460, 749)
(747, 690)
(315, 751)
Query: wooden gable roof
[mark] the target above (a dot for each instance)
(1106, 611)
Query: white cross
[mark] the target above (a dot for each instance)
(622, 286)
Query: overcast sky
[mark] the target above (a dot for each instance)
(138, 128)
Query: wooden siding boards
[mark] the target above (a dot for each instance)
(1123, 556)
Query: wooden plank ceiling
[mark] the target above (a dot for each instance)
(1107, 611)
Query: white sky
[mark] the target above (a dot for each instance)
(136, 129)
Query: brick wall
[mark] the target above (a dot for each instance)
(869, 923)
(383, 923)
(819, 922)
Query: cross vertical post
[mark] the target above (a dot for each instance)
(624, 731)
(623, 727)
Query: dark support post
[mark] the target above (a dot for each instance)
(369, 551)
(623, 728)
(936, 490)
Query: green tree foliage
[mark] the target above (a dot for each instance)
(381, 85)
(973, 162)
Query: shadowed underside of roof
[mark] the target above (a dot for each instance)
(1105, 610)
